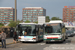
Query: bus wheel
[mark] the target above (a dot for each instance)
(47, 42)
(22, 41)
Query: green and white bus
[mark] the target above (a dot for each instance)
(29, 32)
(54, 31)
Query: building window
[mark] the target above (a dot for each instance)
(5, 12)
(29, 14)
(34, 14)
(29, 10)
(10, 14)
(40, 12)
(66, 17)
(0, 20)
(10, 10)
(67, 9)
(70, 15)
(2, 14)
(10, 18)
(24, 20)
(34, 10)
(30, 20)
(24, 10)
(24, 14)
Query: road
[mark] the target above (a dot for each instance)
(69, 44)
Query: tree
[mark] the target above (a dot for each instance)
(55, 18)
(36, 22)
(27, 21)
(12, 24)
(47, 19)
(18, 21)
(1, 24)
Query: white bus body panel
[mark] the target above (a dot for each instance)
(28, 38)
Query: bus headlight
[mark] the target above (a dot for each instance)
(60, 36)
(34, 38)
(19, 37)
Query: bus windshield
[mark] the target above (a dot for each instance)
(53, 29)
(27, 30)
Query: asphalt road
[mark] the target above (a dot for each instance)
(69, 44)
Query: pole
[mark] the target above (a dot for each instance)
(15, 11)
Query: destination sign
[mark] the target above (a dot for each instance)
(26, 25)
(53, 24)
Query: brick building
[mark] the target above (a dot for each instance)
(31, 13)
(69, 13)
(6, 14)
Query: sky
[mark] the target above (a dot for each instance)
(54, 8)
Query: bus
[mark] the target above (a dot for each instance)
(29, 32)
(54, 31)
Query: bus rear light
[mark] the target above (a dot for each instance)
(19, 37)
(34, 38)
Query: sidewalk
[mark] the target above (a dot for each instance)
(8, 41)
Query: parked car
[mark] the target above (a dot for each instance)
(68, 33)
(74, 31)
(71, 31)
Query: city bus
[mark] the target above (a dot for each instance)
(29, 32)
(54, 31)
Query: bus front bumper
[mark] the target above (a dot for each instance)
(52, 40)
(26, 40)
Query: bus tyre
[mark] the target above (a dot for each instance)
(64, 39)
(22, 41)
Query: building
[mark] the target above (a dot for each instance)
(6, 14)
(31, 13)
(69, 14)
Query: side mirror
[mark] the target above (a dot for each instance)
(36, 29)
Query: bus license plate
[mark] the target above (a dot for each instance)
(52, 40)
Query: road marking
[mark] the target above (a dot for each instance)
(41, 44)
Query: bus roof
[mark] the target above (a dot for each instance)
(55, 21)
(27, 23)
(70, 26)
(31, 23)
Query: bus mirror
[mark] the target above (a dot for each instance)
(63, 26)
(36, 29)
(18, 26)
(43, 25)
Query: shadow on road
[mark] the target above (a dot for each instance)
(64, 42)
(33, 42)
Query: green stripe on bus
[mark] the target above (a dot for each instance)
(52, 39)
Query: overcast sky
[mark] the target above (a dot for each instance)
(54, 8)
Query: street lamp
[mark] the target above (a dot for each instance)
(15, 10)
